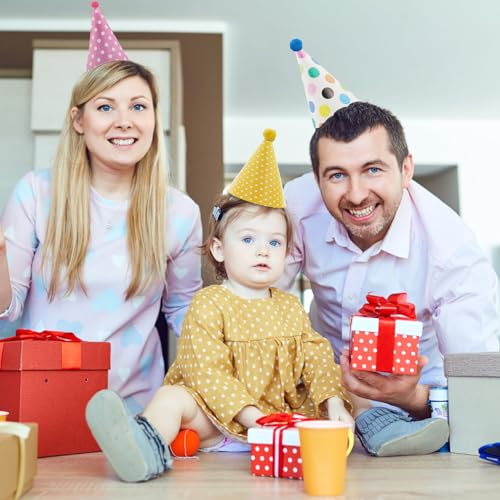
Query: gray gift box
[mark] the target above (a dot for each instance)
(473, 400)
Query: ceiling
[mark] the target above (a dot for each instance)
(422, 59)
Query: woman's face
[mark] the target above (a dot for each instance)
(118, 125)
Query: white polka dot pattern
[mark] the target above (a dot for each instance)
(103, 45)
(236, 352)
(259, 181)
(261, 461)
(365, 349)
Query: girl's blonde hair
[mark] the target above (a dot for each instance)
(68, 230)
(228, 208)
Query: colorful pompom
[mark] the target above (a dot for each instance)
(296, 44)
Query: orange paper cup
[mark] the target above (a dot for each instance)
(324, 446)
(3, 416)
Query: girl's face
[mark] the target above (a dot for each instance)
(118, 125)
(253, 249)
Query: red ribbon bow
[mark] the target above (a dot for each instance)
(45, 335)
(71, 349)
(394, 305)
(282, 419)
(280, 422)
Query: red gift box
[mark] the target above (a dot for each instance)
(385, 336)
(275, 447)
(48, 378)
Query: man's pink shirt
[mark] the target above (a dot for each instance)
(428, 252)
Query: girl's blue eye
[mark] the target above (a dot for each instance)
(104, 107)
(138, 107)
(247, 240)
(275, 243)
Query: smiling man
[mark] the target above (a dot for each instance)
(363, 226)
(362, 183)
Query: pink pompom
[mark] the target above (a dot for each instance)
(94, 5)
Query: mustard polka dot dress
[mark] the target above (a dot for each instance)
(236, 352)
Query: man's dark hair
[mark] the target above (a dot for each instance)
(350, 122)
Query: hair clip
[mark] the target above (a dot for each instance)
(490, 452)
(217, 213)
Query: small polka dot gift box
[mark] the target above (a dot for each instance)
(275, 446)
(385, 336)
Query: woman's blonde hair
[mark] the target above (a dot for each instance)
(228, 208)
(68, 230)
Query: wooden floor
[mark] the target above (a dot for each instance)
(226, 476)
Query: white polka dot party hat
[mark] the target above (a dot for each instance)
(103, 45)
(259, 181)
(324, 93)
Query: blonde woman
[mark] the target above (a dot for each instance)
(96, 243)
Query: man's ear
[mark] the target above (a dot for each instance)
(76, 117)
(407, 170)
(316, 178)
(217, 250)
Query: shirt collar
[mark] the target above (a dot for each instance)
(396, 241)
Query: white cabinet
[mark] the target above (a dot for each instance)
(16, 140)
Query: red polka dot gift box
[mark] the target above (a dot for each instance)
(385, 336)
(275, 447)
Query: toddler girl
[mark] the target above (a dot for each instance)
(246, 349)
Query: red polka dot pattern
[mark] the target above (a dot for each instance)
(262, 461)
(364, 347)
(266, 462)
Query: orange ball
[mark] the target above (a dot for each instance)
(185, 444)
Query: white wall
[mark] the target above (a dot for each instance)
(471, 145)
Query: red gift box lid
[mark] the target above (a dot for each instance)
(18, 355)
(401, 326)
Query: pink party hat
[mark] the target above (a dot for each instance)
(103, 44)
(324, 94)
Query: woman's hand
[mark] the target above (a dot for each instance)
(5, 287)
(2, 241)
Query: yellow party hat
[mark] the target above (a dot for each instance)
(259, 181)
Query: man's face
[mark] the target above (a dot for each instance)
(362, 184)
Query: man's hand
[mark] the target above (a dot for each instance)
(337, 411)
(402, 391)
